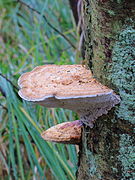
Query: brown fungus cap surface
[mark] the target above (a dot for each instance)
(66, 133)
(68, 86)
(59, 81)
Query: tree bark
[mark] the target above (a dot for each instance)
(107, 151)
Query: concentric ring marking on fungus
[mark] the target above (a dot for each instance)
(77, 90)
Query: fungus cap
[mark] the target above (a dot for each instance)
(67, 86)
(66, 133)
(59, 82)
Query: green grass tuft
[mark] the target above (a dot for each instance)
(26, 41)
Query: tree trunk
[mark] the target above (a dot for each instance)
(107, 151)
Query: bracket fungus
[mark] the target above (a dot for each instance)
(66, 133)
(68, 86)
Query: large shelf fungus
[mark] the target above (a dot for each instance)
(68, 86)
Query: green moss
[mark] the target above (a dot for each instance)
(127, 157)
(91, 161)
(93, 172)
(111, 12)
(123, 72)
(119, 1)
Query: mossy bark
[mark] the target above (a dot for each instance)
(107, 151)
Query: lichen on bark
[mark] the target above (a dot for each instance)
(127, 156)
(122, 72)
(122, 76)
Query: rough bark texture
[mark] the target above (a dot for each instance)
(108, 150)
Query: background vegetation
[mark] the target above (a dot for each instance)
(32, 33)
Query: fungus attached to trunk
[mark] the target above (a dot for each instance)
(66, 133)
(68, 86)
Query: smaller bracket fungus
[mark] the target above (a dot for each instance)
(66, 133)
(68, 86)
